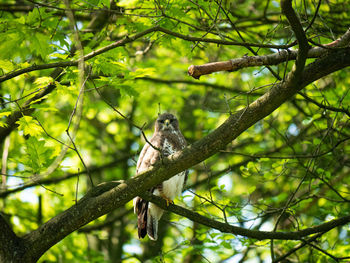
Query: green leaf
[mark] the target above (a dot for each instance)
(127, 3)
(38, 155)
(40, 45)
(5, 113)
(127, 90)
(21, 20)
(12, 44)
(105, 3)
(6, 65)
(29, 126)
(226, 245)
(228, 236)
(43, 81)
(251, 189)
(316, 141)
(139, 73)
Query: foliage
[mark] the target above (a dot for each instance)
(287, 172)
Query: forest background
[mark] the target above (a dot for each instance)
(261, 91)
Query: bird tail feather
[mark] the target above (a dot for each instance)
(152, 227)
(141, 209)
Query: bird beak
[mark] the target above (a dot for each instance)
(167, 122)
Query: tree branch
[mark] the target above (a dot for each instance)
(322, 106)
(221, 42)
(279, 259)
(189, 82)
(196, 71)
(288, 11)
(48, 181)
(256, 234)
(106, 223)
(64, 64)
(10, 243)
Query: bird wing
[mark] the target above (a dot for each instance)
(148, 157)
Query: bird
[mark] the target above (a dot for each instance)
(166, 140)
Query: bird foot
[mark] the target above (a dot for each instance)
(168, 201)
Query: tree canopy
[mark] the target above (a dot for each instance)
(261, 91)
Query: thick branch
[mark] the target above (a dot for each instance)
(10, 243)
(250, 61)
(227, 228)
(196, 71)
(288, 11)
(343, 41)
(109, 196)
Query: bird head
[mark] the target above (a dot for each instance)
(167, 122)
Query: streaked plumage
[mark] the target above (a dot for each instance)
(168, 138)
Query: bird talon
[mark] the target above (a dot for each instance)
(167, 200)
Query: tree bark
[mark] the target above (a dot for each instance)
(12, 248)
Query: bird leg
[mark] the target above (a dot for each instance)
(168, 200)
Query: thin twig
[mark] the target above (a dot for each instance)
(50, 136)
(347, 112)
(12, 175)
(292, 251)
(127, 119)
(50, 190)
(315, 15)
(296, 156)
(21, 98)
(77, 188)
(248, 47)
(321, 250)
(82, 81)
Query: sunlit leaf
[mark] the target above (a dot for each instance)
(29, 126)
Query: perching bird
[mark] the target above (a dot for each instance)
(166, 140)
